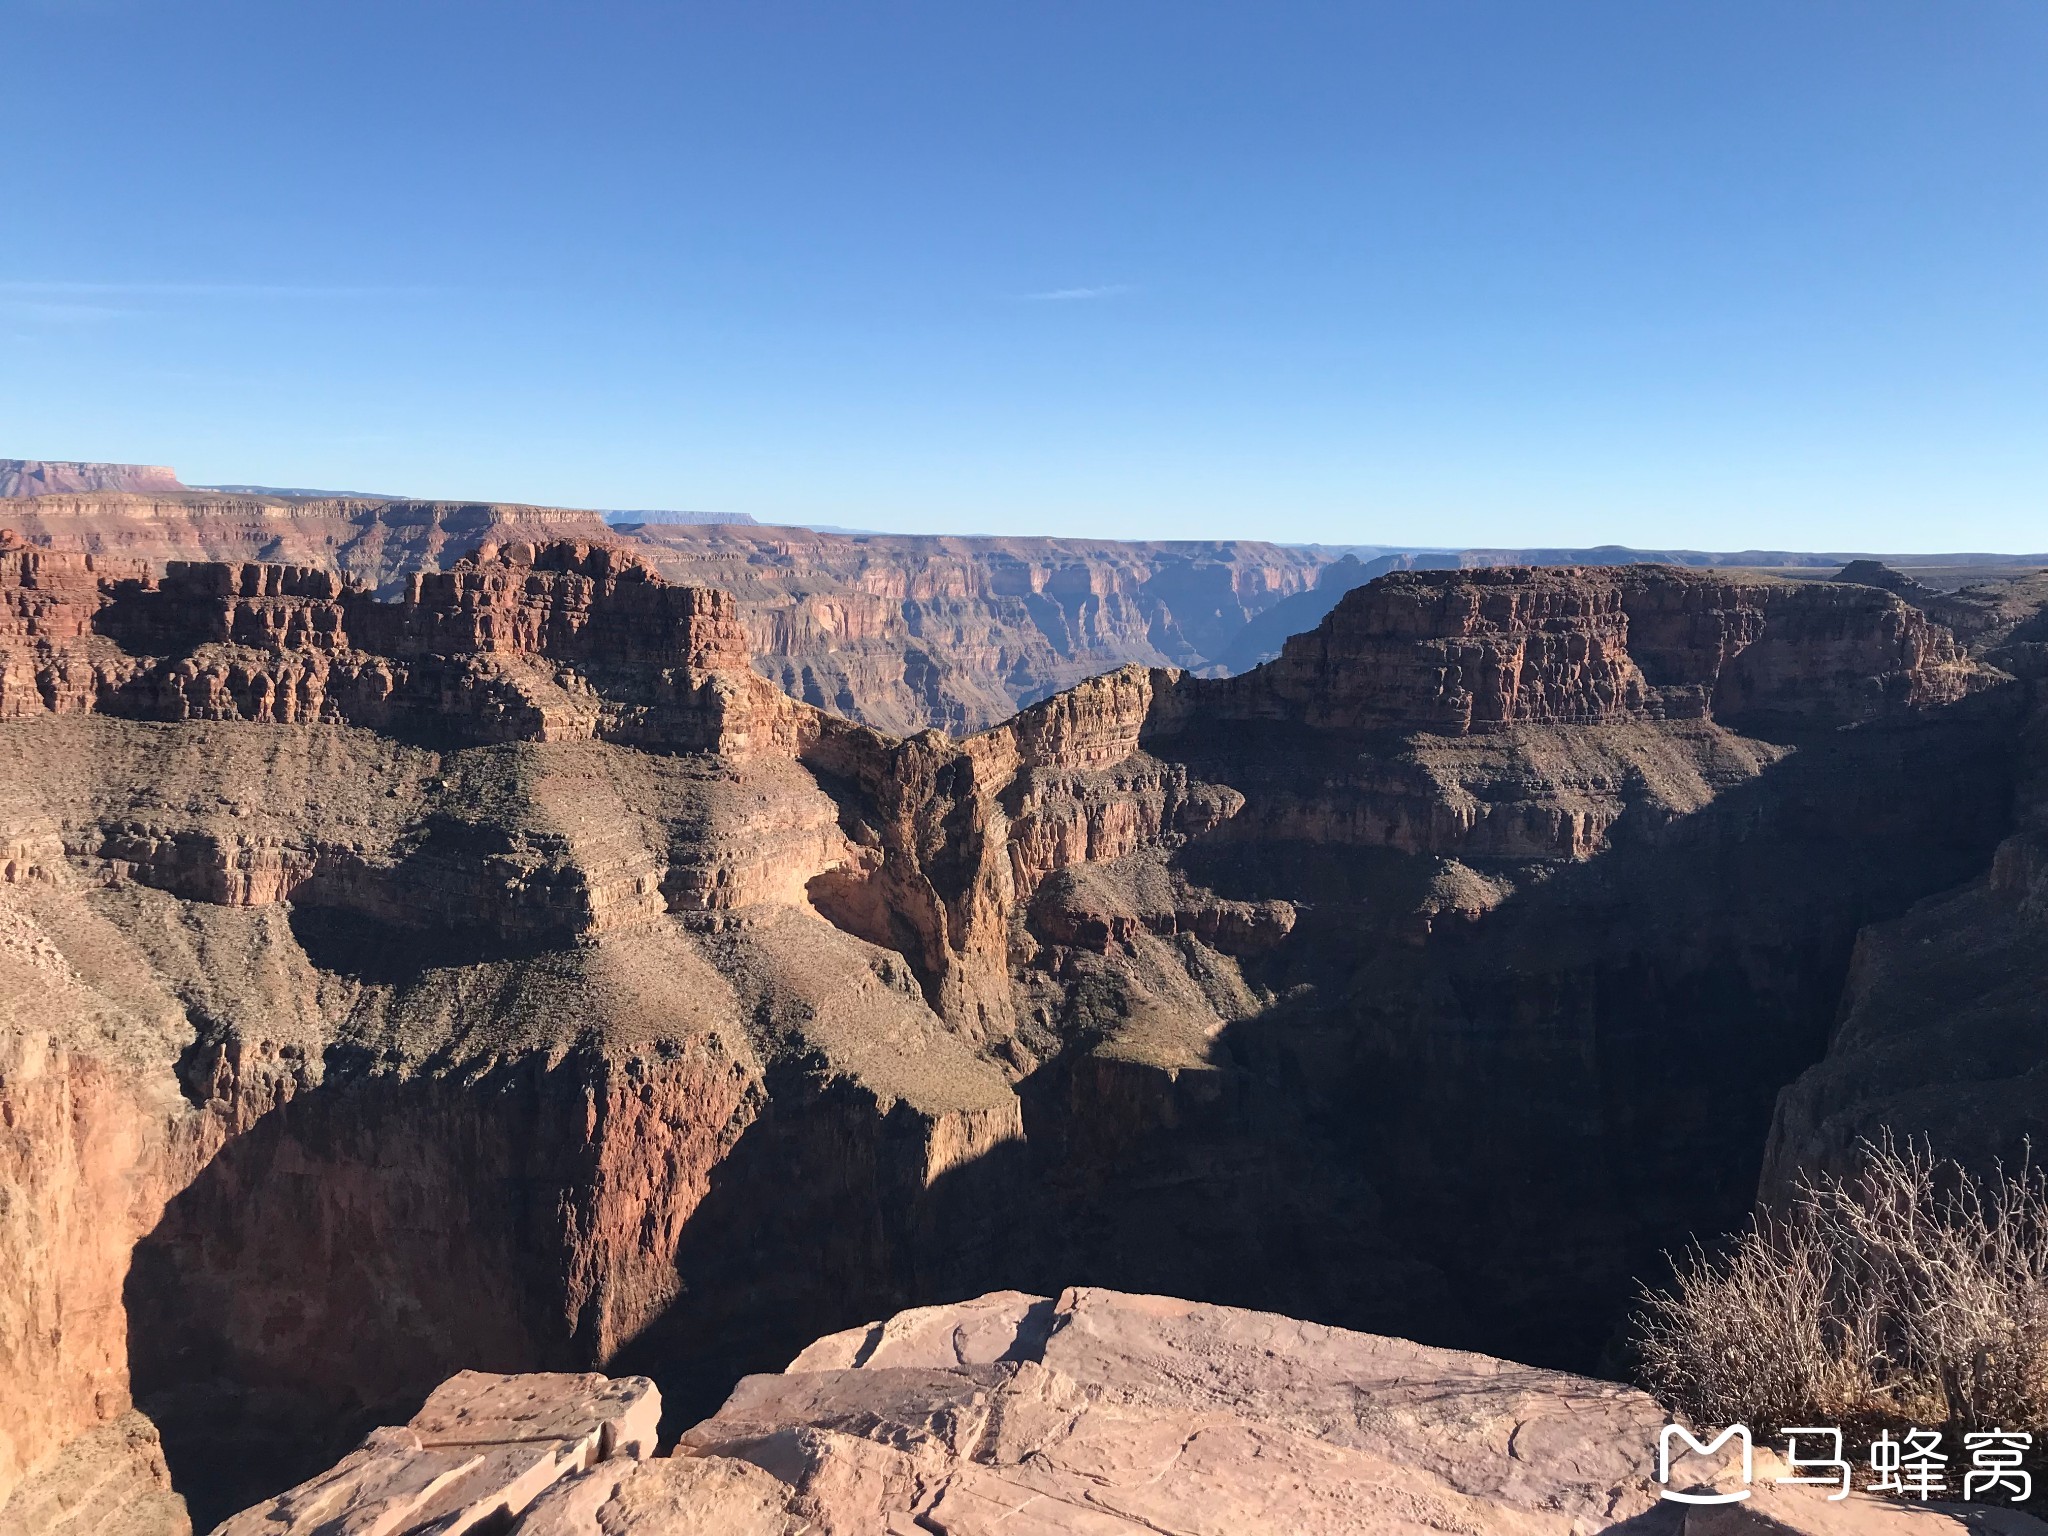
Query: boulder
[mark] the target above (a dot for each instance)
(475, 1456)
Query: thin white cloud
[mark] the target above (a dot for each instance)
(1062, 295)
(44, 312)
(61, 290)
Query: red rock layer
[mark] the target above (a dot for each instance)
(568, 601)
(48, 596)
(1466, 652)
(493, 649)
(374, 544)
(900, 632)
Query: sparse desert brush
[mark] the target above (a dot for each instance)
(1912, 1291)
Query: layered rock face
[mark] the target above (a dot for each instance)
(899, 632)
(507, 978)
(480, 650)
(1456, 653)
(1399, 951)
(374, 544)
(1098, 1412)
(905, 633)
(520, 1072)
(374, 1009)
(1463, 684)
(1938, 1033)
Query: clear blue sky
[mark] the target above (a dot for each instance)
(1712, 274)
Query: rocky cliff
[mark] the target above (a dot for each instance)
(1941, 1032)
(905, 632)
(901, 632)
(374, 1008)
(1456, 653)
(484, 650)
(504, 976)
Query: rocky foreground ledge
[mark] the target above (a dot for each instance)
(1100, 1414)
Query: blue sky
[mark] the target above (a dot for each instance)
(1718, 274)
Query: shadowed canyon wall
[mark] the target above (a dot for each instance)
(510, 976)
(1942, 1030)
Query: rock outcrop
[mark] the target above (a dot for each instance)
(1110, 1414)
(475, 1456)
(110, 1481)
(900, 632)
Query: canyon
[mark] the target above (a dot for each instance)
(901, 632)
(493, 967)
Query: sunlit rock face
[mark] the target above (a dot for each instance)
(1094, 1412)
(901, 632)
(505, 976)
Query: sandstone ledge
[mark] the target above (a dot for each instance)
(1102, 1413)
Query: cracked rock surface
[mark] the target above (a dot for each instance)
(1101, 1413)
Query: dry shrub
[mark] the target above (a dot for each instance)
(1911, 1292)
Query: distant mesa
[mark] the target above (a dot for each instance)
(300, 492)
(624, 519)
(43, 477)
(1875, 573)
